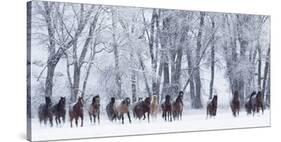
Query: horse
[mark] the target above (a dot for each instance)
(257, 103)
(111, 112)
(154, 106)
(94, 109)
(235, 104)
(177, 107)
(141, 108)
(167, 108)
(45, 112)
(59, 111)
(249, 104)
(212, 106)
(76, 111)
(122, 108)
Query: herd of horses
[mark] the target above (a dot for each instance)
(142, 109)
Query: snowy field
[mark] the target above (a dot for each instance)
(194, 120)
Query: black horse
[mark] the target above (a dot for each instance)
(59, 111)
(235, 104)
(110, 110)
(178, 106)
(212, 107)
(141, 108)
(249, 104)
(76, 111)
(94, 109)
(167, 108)
(257, 103)
(45, 112)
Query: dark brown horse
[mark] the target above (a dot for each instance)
(94, 109)
(76, 111)
(141, 108)
(110, 110)
(122, 108)
(257, 103)
(167, 108)
(59, 111)
(235, 104)
(45, 112)
(212, 107)
(249, 104)
(178, 107)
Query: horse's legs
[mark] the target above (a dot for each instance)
(99, 118)
(71, 118)
(148, 116)
(90, 117)
(51, 120)
(82, 117)
(129, 117)
(63, 118)
(122, 118)
(94, 118)
(76, 121)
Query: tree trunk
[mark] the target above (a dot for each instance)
(197, 102)
(266, 70)
(118, 80)
(212, 61)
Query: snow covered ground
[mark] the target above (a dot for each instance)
(193, 120)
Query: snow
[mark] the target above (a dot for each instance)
(193, 120)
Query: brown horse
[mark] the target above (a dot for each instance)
(122, 108)
(59, 111)
(76, 111)
(249, 104)
(212, 106)
(141, 108)
(235, 104)
(167, 108)
(178, 107)
(154, 106)
(257, 103)
(94, 109)
(45, 112)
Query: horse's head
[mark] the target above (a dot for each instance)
(127, 101)
(112, 100)
(215, 99)
(80, 101)
(62, 101)
(147, 100)
(259, 96)
(154, 99)
(167, 98)
(96, 99)
(48, 101)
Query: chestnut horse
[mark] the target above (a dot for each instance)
(178, 107)
(212, 106)
(45, 112)
(167, 108)
(141, 108)
(235, 104)
(94, 109)
(59, 111)
(76, 111)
